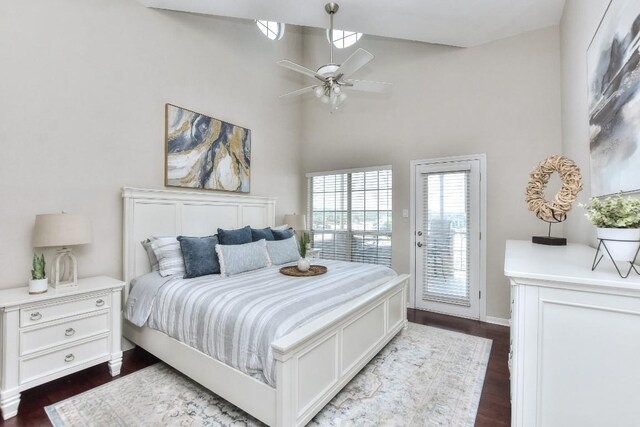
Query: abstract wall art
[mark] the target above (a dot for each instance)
(207, 153)
(613, 61)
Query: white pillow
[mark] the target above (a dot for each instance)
(283, 251)
(153, 261)
(169, 255)
(235, 259)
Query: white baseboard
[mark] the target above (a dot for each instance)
(498, 321)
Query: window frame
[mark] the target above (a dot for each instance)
(263, 26)
(350, 232)
(339, 42)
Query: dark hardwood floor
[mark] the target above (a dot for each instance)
(494, 409)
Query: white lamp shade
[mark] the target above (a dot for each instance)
(61, 230)
(295, 221)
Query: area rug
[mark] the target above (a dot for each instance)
(424, 377)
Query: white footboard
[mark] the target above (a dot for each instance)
(317, 360)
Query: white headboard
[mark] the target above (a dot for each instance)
(171, 213)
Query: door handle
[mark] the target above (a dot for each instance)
(419, 244)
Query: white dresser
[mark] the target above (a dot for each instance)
(50, 335)
(575, 338)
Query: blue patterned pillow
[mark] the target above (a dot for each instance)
(259, 234)
(283, 251)
(199, 254)
(238, 236)
(282, 234)
(235, 259)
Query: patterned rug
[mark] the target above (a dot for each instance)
(424, 377)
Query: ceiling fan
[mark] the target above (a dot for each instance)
(334, 78)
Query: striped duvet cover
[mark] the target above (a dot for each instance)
(236, 319)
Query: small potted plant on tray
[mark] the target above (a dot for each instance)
(618, 222)
(39, 282)
(303, 262)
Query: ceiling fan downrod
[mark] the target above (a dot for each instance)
(331, 9)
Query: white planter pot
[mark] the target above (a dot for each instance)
(621, 251)
(304, 264)
(39, 286)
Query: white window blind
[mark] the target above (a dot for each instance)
(447, 201)
(351, 215)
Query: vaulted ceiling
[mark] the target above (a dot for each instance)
(461, 23)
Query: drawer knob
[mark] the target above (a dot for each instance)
(36, 316)
(100, 303)
(69, 332)
(69, 357)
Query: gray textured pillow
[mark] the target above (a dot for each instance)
(235, 259)
(283, 251)
(153, 261)
(169, 255)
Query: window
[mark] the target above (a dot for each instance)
(351, 214)
(273, 30)
(342, 39)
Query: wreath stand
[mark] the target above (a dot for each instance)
(549, 239)
(555, 211)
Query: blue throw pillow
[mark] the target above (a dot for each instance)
(238, 236)
(259, 234)
(282, 234)
(199, 254)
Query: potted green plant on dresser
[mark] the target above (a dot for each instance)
(39, 282)
(618, 223)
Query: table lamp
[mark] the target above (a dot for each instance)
(296, 221)
(62, 230)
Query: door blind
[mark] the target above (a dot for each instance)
(446, 201)
(351, 215)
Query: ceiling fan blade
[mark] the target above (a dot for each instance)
(300, 69)
(298, 92)
(368, 86)
(357, 60)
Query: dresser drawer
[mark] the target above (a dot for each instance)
(59, 360)
(46, 336)
(44, 313)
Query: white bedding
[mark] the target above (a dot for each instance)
(235, 319)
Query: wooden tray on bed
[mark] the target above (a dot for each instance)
(314, 270)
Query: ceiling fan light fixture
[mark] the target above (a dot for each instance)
(335, 78)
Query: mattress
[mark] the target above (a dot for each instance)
(235, 319)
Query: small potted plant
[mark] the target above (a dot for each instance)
(39, 282)
(304, 243)
(618, 222)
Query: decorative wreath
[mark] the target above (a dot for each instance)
(556, 210)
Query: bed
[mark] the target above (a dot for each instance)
(311, 362)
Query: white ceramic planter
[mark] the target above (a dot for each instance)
(621, 251)
(39, 286)
(304, 264)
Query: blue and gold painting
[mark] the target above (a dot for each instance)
(207, 153)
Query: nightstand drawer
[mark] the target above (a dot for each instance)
(56, 361)
(47, 336)
(45, 313)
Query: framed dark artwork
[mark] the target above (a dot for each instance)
(613, 61)
(207, 153)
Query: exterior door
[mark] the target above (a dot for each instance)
(447, 227)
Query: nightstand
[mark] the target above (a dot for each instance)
(50, 335)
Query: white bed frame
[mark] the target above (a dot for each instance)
(314, 362)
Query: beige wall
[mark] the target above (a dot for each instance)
(82, 92)
(579, 23)
(502, 99)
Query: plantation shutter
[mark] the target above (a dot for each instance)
(447, 201)
(351, 215)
